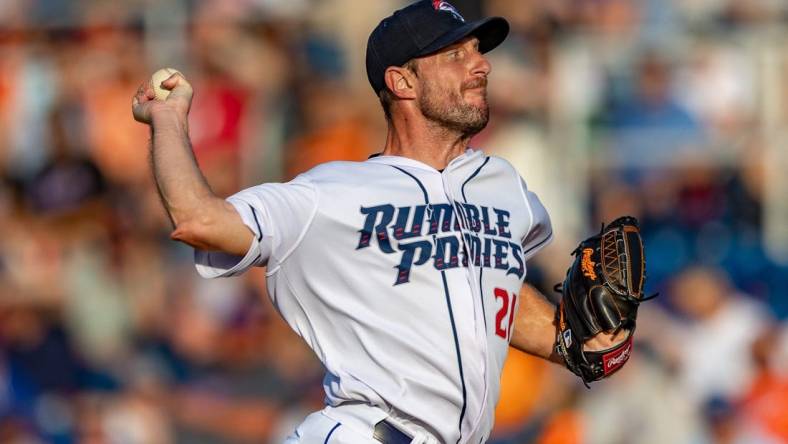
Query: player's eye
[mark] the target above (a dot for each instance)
(455, 54)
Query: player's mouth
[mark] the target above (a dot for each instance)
(480, 90)
(479, 84)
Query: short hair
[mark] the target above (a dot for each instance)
(387, 97)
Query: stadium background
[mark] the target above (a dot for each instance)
(671, 110)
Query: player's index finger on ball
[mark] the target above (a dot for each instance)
(158, 77)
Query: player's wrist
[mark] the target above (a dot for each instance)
(167, 117)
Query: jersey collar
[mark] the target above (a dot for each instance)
(468, 156)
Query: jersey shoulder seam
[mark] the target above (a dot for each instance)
(521, 185)
(526, 202)
(306, 228)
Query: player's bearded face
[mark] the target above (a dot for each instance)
(449, 108)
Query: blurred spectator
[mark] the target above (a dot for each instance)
(330, 130)
(32, 89)
(648, 126)
(115, 141)
(69, 182)
(719, 328)
(43, 369)
(717, 84)
(644, 403)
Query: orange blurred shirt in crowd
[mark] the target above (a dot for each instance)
(564, 427)
(344, 140)
(115, 139)
(522, 382)
(9, 67)
(766, 404)
(117, 142)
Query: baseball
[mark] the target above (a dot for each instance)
(158, 77)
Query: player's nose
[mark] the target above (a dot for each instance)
(481, 66)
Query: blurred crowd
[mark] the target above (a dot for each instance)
(669, 110)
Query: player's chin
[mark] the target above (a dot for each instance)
(476, 100)
(476, 122)
(481, 109)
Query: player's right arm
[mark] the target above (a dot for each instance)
(201, 219)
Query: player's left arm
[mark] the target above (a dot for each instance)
(535, 328)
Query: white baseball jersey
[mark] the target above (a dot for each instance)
(403, 280)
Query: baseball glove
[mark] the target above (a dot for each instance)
(601, 293)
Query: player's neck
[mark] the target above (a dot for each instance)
(425, 142)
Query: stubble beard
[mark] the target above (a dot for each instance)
(450, 111)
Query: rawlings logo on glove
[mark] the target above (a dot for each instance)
(587, 264)
(601, 293)
(616, 359)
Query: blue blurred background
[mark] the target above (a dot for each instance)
(674, 111)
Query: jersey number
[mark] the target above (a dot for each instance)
(503, 328)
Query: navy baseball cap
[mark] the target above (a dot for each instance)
(422, 28)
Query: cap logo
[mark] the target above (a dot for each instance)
(440, 5)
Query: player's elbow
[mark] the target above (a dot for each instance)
(214, 226)
(188, 234)
(199, 227)
(195, 232)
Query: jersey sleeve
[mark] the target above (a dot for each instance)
(541, 232)
(278, 215)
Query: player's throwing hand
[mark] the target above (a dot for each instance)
(144, 103)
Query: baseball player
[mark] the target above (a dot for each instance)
(404, 273)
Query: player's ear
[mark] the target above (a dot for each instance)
(401, 82)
